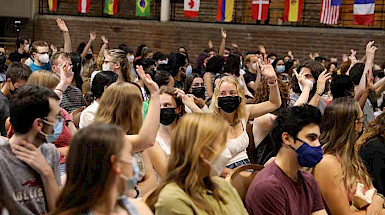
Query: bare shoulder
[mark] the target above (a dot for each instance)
(329, 165)
(142, 208)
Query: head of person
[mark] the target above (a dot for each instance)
(177, 63)
(3, 56)
(232, 65)
(194, 84)
(76, 61)
(345, 67)
(198, 151)
(101, 81)
(171, 107)
(341, 125)
(214, 65)
(229, 98)
(115, 60)
(311, 70)
(40, 52)
(263, 91)
(90, 51)
(129, 52)
(332, 67)
(44, 78)
(251, 62)
(321, 60)
(23, 45)
(182, 50)
(279, 65)
(375, 128)
(121, 104)
(342, 86)
(148, 64)
(164, 78)
(296, 133)
(140, 49)
(146, 53)
(35, 110)
(58, 60)
(271, 57)
(97, 148)
(16, 76)
(356, 73)
(159, 58)
(286, 58)
(227, 52)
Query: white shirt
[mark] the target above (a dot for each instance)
(87, 116)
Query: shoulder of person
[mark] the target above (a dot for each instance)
(329, 165)
(172, 192)
(375, 142)
(142, 207)
(48, 149)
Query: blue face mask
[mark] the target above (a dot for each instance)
(188, 70)
(281, 69)
(308, 156)
(57, 129)
(132, 182)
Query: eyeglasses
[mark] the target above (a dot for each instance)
(43, 53)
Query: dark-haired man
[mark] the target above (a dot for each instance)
(16, 76)
(282, 188)
(29, 179)
(22, 50)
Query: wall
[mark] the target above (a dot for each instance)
(166, 37)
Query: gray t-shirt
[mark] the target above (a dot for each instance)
(294, 97)
(21, 187)
(4, 113)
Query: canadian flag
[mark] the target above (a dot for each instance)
(83, 6)
(191, 8)
(260, 9)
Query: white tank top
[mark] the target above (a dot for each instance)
(238, 146)
(164, 145)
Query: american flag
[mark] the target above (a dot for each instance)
(330, 12)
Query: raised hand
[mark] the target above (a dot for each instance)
(187, 100)
(370, 48)
(301, 79)
(268, 71)
(66, 74)
(210, 44)
(290, 54)
(321, 82)
(224, 33)
(53, 48)
(62, 25)
(262, 48)
(148, 82)
(353, 52)
(104, 39)
(92, 36)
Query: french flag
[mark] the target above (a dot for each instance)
(363, 12)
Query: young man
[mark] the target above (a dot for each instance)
(40, 55)
(22, 50)
(282, 187)
(253, 73)
(16, 76)
(29, 179)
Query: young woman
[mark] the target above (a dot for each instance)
(121, 104)
(100, 168)
(192, 185)
(341, 167)
(229, 103)
(371, 147)
(115, 60)
(195, 85)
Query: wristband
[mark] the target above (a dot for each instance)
(275, 81)
(59, 90)
(137, 192)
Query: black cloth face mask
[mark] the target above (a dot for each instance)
(167, 116)
(229, 103)
(199, 92)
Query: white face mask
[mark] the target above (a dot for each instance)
(217, 165)
(254, 66)
(309, 82)
(26, 48)
(272, 61)
(44, 58)
(131, 58)
(106, 67)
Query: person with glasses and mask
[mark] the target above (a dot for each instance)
(40, 55)
(16, 77)
(29, 163)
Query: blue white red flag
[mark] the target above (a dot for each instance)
(363, 12)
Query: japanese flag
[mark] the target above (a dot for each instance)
(191, 8)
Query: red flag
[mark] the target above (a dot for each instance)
(83, 6)
(191, 8)
(260, 9)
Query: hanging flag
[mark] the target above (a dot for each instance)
(52, 5)
(191, 8)
(293, 10)
(330, 12)
(260, 9)
(143, 7)
(83, 6)
(111, 7)
(225, 10)
(363, 12)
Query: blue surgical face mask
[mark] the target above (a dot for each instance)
(57, 129)
(281, 69)
(308, 156)
(133, 181)
(188, 70)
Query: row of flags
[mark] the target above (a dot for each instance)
(330, 9)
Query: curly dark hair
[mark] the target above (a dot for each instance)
(262, 92)
(316, 69)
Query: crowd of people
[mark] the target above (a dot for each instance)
(113, 131)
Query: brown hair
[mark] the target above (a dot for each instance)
(172, 92)
(43, 78)
(193, 132)
(263, 91)
(58, 55)
(38, 44)
(119, 56)
(376, 127)
(121, 104)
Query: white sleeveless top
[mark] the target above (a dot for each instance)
(238, 146)
(164, 145)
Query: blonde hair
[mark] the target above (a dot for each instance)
(121, 104)
(338, 139)
(119, 56)
(193, 132)
(241, 110)
(44, 78)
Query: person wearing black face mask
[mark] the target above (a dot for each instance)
(195, 85)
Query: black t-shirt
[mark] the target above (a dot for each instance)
(17, 55)
(249, 77)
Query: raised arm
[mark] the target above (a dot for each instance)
(209, 83)
(104, 47)
(88, 46)
(147, 134)
(223, 43)
(188, 100)
(66, 35)
(66, 77)
(370, 51)
(304, 97)
(255, 110)
(321, 82)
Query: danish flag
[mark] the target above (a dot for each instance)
(260, 9)
(191, 8)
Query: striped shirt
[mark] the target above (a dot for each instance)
(72, 99)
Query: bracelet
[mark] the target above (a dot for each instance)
(319, 94)
(137, 192)
(59, 90)
(273, 82)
